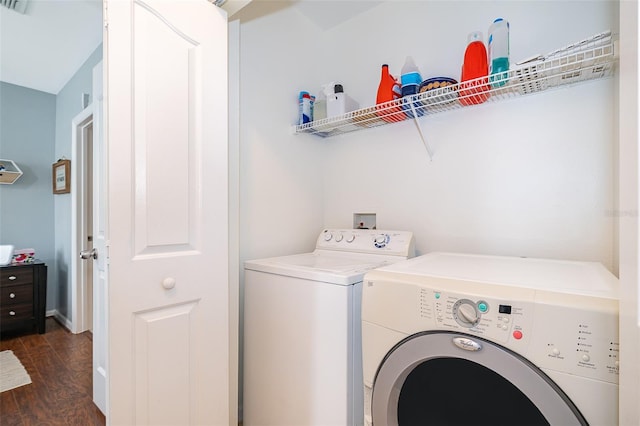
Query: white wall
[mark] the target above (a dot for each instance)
(281, 200)
(529, 177)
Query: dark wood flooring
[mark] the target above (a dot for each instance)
(60, 366)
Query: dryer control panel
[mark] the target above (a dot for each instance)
(503, 321)
(561, 315)
(574, 335)
(568, 333)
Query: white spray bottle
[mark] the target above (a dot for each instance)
(336, 103)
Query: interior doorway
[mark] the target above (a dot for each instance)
(82, 221)
(87, 222)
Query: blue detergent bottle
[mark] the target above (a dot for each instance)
(410, 80)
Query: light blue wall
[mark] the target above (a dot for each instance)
(68, 106)
(27, 136)
(35, 131)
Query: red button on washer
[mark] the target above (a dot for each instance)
(517, 334)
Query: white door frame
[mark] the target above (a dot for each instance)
(80, 299)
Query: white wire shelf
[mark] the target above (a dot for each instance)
(589, 59)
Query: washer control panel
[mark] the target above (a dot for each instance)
(399, 243)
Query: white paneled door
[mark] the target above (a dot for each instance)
(166, 133)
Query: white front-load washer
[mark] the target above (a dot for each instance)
(454, 339)
(302, 338)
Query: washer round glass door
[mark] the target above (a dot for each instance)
(443, 378)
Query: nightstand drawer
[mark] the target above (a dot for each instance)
(15, 313)
(16, 295)
(16, 275)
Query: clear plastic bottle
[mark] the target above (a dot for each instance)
(499, 52)
(411, 79)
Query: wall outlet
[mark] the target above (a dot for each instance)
(364, 221)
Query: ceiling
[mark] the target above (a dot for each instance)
(329, 13)
(43, 48)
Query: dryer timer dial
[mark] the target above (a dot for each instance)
(381, 240)
(466, 313)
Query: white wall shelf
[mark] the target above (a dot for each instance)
(9, 172)
(589, 59)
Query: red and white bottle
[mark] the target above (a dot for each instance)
(474, 87)
(389, 90)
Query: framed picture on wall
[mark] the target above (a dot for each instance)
(62, 177)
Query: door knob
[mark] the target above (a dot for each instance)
(169, 283)
(86, 254)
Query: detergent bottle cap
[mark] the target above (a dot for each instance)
(474, 36)
(409, 66)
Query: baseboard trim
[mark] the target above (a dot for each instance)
(60, 318)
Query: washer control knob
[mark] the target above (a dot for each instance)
(328, 235)
(381, 240)
(586, 358)
(466, 313)
(339, 237)
(351, 238)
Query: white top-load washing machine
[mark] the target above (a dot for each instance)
(453, 339)
(302, 339)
